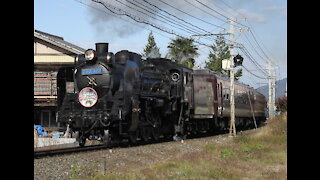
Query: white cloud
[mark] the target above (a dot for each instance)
(253, 17)
(275, 8)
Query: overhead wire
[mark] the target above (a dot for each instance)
(141, 20)
(190, 14)
(135, 24)
(247, 53)
(165, 20)
(206, 11)
(220, 13)
(252, 33)
(98, 9)
(253, 73)
(113, 10)
(265, 57)
(248, 41)
(180, 19)
(130, 7)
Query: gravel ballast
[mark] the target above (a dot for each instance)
(117, 160)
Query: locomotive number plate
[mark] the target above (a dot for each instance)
(91, 71)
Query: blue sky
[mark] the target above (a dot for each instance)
(84, 26)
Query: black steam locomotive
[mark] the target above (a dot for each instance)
(121, 96)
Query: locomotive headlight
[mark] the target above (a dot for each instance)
(89, 54)
(88, 97)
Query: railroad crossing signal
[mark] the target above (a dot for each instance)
(238, 59)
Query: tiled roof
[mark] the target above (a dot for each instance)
(58, 41)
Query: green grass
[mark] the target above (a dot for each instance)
(259, 155)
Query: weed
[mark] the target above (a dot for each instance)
(226, 153)
(209, 147)
(75, 169)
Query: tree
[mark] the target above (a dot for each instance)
(151, 50)
(282, 104)
(219, 52)
(183, 51)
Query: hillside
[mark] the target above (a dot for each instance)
(280, 88)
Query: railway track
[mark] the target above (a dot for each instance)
(77, 149)
(68, 150)
(60, 151)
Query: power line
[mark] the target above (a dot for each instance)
(166, 18)
(258, 44)
(146, 13)
(190, 14)
(80, 1)
(205, 11)
(254, 48)
(112, 14)
(135, 18)
(231, 8)
(140, 20)
(251, 28)
(253, 73)
(174, 15)
(247, 53)
(165, 22)
(220, 13)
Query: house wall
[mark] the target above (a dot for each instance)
(48, 58)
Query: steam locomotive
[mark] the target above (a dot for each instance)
(122, 96)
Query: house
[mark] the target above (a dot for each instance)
(51, 52)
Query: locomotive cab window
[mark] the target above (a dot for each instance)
(185, 78)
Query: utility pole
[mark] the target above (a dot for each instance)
(274, 90)
(272, 87)
(232, 129)
(286, 90)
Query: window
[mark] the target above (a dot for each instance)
(185, 78)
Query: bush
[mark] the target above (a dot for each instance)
(282, 104)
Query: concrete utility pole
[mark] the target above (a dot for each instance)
(272, 90)
(232, 129)
(286, 90)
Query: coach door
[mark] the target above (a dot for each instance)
(213, 81)
(220, 98)
(205, 96)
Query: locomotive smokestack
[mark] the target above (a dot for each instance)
(102, 48)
